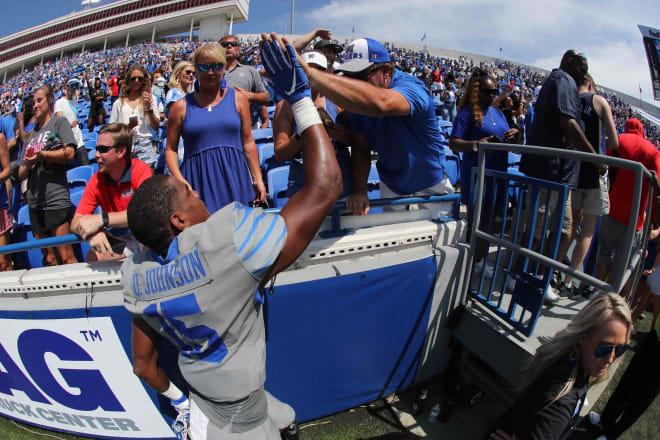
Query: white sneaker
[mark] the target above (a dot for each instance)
(551, 296)
(479, 267)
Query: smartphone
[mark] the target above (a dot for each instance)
(133, 121)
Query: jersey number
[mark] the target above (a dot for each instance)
(199, 342)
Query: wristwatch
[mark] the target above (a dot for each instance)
(106, 219)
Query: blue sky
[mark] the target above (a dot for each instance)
(531, 32)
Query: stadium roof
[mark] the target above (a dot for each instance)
(114, 23)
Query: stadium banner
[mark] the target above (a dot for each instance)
(73, 375)
(651, 38)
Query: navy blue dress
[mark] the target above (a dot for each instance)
(213, 162)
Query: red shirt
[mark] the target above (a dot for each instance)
(632, 146)
(102, 191)
(114, 86)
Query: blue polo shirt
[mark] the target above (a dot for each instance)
(494, 124)
(410, 155)
(7, 127)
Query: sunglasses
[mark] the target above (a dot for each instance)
(364, 75)
(216, 67)
(606, 350)
(136, 78)
(493, 92)
(229, 43)
(104, 148)
(189, 72)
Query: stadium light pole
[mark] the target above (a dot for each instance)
(293, 3)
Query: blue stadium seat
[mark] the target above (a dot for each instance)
(23, 232)
(263, 135)
(265, 151)
(445, 127)
(514, 159)
(278, 179)
(76, 195)
(79, 176)
(90, 144)
(373, 188)
(23, 216)
(452, 166)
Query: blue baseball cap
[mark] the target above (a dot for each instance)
(363, 53)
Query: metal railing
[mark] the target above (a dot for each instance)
(632, 259)
(335, 215)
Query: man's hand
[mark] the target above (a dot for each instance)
(88, 225)
(100, 244)
(358, 203)
(281, 64)
(324, 34)
(339, 133)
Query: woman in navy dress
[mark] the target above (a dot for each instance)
(479, 120)
(220, 156)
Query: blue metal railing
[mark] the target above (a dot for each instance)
(335, 222)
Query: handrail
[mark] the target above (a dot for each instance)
(336, 210)
(640, 172)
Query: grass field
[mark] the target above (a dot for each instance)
(377, 421)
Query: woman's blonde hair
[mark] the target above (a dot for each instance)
(471, 95)
(125, 85)
(596, 313)
(212, 50)
(174, 77)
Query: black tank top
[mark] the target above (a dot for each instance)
(589, 177)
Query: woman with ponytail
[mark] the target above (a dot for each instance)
(556, 379)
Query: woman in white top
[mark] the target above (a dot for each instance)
(140, 109)
(67, 106)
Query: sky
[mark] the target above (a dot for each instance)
(530, 32)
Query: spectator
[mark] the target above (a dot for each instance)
(243, 78)
(611, 233)
(287, 145)
(48, 147)
(590, 200)
(226, 373)
(158, 88)
(479, 121)
(389, 111)
(6, 220)
(67, 107)
(556, 380)
(97, 96)
(181, 83)
(555, 125)
(111, 188)
(114, 84)
(139, 109)
(220, 155)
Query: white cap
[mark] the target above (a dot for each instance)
(313, 57)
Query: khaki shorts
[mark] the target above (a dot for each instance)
(440, 209)
(551, 205)
(593, 201)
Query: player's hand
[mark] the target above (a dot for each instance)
(324, 34)
(358, 203)
(281, 63)
(339, 133)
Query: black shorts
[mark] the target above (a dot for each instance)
(43, 222)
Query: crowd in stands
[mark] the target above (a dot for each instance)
(194, 110)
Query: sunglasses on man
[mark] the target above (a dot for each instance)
(216, 67)
(229, 43)
(105, 148)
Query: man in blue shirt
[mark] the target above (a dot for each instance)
(394, 114)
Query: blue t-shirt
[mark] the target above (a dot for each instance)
(494, 124)
(7, 127)
(410, 155)
(558, 96)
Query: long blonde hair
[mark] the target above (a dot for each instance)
(174, 77)
(596, 313)
(471, 95)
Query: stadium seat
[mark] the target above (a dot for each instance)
(76, 194)
(514, 159)
(79, 176)
(22, 233)
(373, 188)
(93, 136)
(90, 144)
(445, 127)
(263, 135)
(278, 180)
(452, 166)
(23, 216)
(265, 151)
